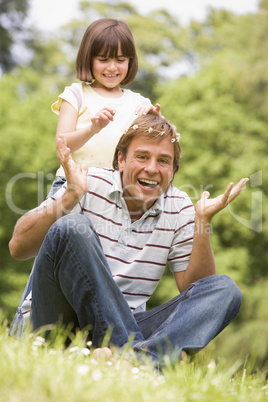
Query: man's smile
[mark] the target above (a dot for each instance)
(148, 183)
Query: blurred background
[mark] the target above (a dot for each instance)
(208, 68)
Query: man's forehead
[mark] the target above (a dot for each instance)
(148, 151)
(147, 145)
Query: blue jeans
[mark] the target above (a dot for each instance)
(72, 282)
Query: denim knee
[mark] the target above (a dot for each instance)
(73, 227)
(74, 224)
(232, 293)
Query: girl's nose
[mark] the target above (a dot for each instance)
(112, 65)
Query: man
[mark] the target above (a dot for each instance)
(103, 242)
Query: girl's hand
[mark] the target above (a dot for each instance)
(145, 109)
(206, 208)
(102, 119)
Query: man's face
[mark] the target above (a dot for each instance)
(146, 172)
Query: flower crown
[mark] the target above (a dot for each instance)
(150, 130)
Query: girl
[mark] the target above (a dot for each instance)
(106, 60)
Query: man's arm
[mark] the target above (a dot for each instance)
(32, 228)
(202, 261)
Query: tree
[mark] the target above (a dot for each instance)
(12, 15)
(245, 39)
(27, 164)
(223, 140)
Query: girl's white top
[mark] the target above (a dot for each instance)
(99, 150)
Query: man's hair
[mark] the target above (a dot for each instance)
(150, 127)
(103, 37)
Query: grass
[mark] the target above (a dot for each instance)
(33, 371)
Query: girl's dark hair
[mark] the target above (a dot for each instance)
(153, 128)
(103, 37)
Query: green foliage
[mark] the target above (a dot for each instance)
(27, 163)
(221, 112)
(12, 15)
(35, 369)
(222, 141)
(243, 39)
(246, 338)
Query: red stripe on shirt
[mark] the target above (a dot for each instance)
(131, 262)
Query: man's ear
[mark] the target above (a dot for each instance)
(121, 161)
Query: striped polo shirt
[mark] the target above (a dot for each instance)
(137, 252)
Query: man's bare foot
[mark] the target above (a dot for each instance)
(184, 357)
(103, 354)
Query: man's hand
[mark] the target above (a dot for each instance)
(202, 261)
(102, 119)
(146, 109)
(206, 208)
(76, 176)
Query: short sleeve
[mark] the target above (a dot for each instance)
(144, 101)
(182, 244)
(68, 95)
(54, 197)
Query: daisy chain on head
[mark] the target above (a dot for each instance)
(151, 129)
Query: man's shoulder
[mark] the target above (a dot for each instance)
(175, 192)
(176, 199)
(102, 173)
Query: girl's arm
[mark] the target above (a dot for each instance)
(67, 125)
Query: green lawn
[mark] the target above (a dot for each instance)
(33, 371)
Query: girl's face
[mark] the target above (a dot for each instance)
(110, 72)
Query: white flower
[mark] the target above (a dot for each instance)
(74, 349)
(150, 130)
(135, 127)
(86, 351)
(97, 375)
(83, 369)
(39, 341)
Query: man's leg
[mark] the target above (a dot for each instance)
(73, 283)
(191, 320)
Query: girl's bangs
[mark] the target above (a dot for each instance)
(108, 46)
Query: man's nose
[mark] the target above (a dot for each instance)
(151, 166)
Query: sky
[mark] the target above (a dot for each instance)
(48, 15)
